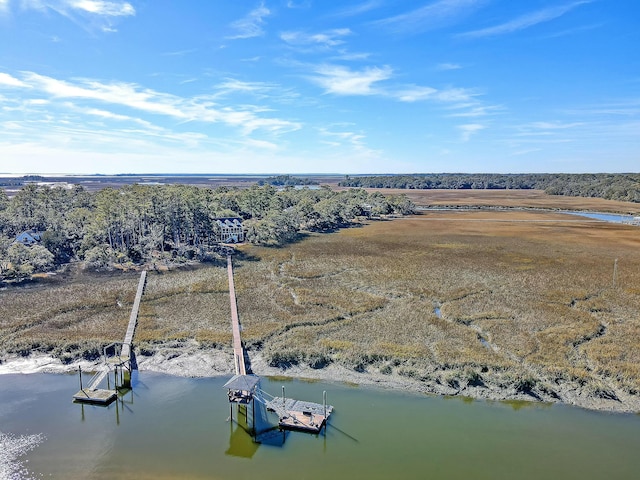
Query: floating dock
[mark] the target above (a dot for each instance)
(299, 414)
(98, 396)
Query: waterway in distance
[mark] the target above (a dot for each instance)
(172, 427)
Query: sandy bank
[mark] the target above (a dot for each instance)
(194, 362)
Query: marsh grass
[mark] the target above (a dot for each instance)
(538, 293)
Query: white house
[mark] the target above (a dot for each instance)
(229, 230)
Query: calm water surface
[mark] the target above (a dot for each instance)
(605, 217)
(170, 427)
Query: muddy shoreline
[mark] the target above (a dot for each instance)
(195, 362)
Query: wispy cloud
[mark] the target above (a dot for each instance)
(629, 107)
(300, 4)
(328, 38)
(526, 21)
(443, 67)
(179, 53)
(250, 25)
(246, 118)
(359, 9)
(469, 129)
(416, 93)
(350, 56)
(340, 137)
(553, 125)
(573, 31)
(431, 16)
(341, 80)
(88, 14)
(98, 7)
(475, 111)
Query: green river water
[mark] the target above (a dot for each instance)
(172, 427)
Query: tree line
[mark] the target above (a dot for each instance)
(624, 187)
(142, 223)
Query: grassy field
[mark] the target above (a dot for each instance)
(522, 300)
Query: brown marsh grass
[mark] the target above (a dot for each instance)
(537, 288)
(527, 299)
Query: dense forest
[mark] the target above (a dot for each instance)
(624, 187)
(142, 223)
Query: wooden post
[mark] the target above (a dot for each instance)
(324, 403)
(80, 374)
(615, 271)
(283, 402)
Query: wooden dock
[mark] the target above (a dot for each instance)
(93, 394)
(244, 389)
(98, 396)
(299, 414)
(125, 354)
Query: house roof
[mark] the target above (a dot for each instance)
(230, 220)
(29, 236)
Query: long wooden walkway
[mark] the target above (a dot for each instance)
(238, 350)
(94, 394)
(243, 388)
(125, 353)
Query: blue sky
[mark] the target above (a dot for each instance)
(311, 86)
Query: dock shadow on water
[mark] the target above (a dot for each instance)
(245, 439)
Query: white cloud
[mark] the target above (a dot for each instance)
(470, 129)
(107, 115)
(251, 25)
(342, 139)
(93, 7)
(303, 4)
(329, 38)
(89, 14)
(448, 66)
(415, 94)
(526, 21)
(351, 56)
(343, 81)
(431, 16)
(233, 85)
(419, 93)
(200, 109)
(9, 81)
(358, 9)
(554, 125)
(98, 7)
(478, 111)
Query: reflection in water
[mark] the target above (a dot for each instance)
(241, 444)
(250, 428)
(375, 434)
(122, 404)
